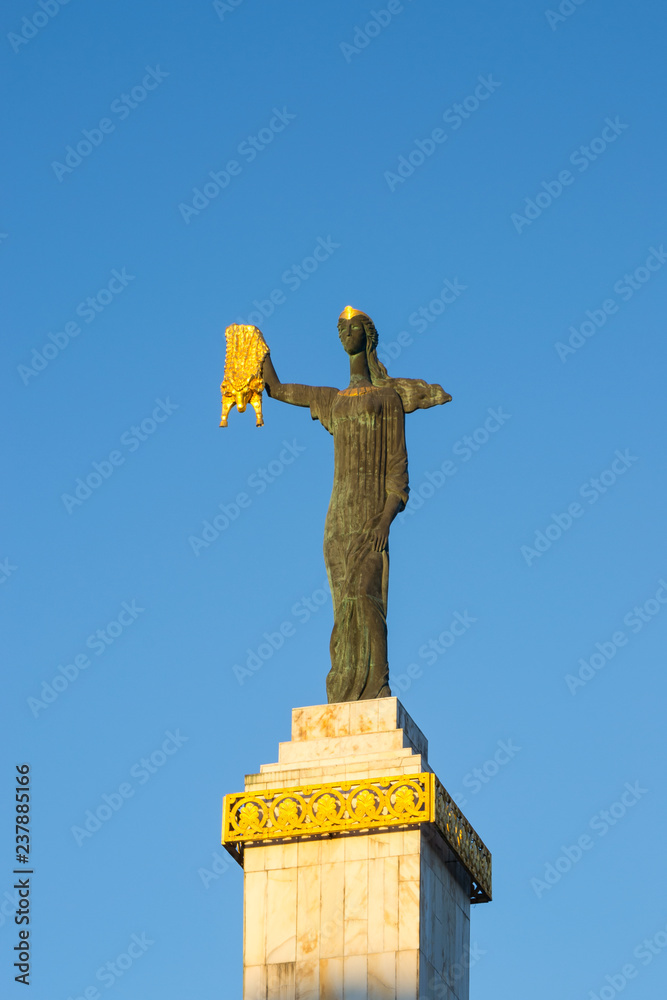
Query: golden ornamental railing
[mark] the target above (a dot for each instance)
(468, 846)
(346, 807)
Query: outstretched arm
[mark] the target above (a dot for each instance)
(298, 395)
(419, 395)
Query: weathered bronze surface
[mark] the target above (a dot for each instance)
(367, 421)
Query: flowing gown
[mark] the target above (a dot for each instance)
(370, 462)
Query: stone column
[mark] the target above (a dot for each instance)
(359, 870)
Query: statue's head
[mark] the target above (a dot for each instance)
(356, 331)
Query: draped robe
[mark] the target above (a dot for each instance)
(370, 462)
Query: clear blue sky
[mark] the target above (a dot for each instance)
(540, 199)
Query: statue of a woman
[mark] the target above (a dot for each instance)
(370, 488)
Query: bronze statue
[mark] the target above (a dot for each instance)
(367, 421)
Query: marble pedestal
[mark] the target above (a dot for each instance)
(350, 899)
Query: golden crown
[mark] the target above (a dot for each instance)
(348, 313)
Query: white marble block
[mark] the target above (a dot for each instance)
(381, 914)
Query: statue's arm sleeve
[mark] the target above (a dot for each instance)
(319, 398)
(396, 481)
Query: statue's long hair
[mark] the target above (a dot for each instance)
(415, 393)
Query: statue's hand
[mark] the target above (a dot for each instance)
(271, 380)
(377, 530)
(440, 396)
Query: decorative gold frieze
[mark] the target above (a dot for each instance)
(470, 849)
(347, 807)
(314, 810)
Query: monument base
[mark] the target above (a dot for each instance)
(359, 869)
